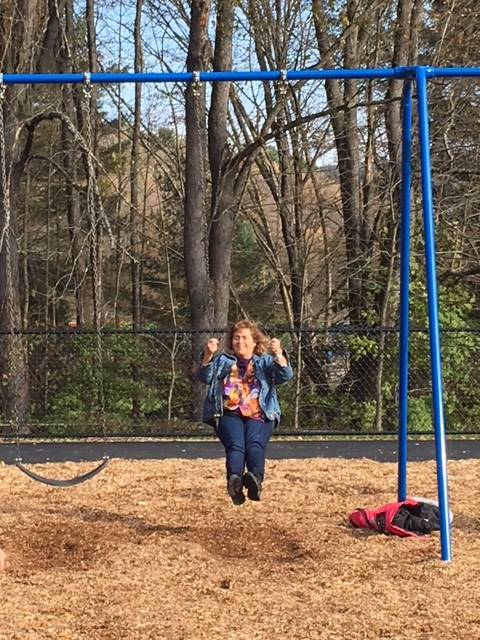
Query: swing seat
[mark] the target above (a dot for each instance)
(69, 482)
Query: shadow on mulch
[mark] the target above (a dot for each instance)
(262, 543)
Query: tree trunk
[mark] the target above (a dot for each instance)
(222, 199)
(195, 224)
(19, 54)
(77, 257)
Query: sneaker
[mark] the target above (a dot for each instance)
(235, 489)
(253, 484)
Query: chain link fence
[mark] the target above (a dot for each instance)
(345, 382)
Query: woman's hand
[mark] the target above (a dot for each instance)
(210, 348)
(276, 347)
(277, 352)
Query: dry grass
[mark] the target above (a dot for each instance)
(155, 550)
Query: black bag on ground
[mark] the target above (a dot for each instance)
(419, 518)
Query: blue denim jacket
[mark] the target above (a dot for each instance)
(267, 372)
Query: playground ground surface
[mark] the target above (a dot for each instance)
(154, 549)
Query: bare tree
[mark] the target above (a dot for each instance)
(195, 226)
(71, 107)
(19, 51)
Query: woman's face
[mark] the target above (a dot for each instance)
(243, 343)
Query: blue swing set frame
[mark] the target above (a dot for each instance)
(418, 76)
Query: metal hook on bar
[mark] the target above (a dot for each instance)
(283, 82)
(196, 82)
(87, 83)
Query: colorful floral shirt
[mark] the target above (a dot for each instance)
(241, 390)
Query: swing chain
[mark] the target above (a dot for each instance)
(15, 350)
(101, 218)
(3, 170)
(93, 220)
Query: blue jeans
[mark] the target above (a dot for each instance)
(245, 442)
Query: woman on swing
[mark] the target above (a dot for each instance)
(242, 402)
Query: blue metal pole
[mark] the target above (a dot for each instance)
(454, 72)
(237, 76)
(206, 76)
(404, 288)
(434, 331)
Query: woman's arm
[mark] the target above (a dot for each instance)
(205, 370)
(282, 371)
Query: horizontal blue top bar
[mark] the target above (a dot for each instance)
(236, 76)
(454, 72)
(205, 76)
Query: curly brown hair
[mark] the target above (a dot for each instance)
(261, 341)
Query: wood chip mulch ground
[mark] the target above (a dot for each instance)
(155, 550)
